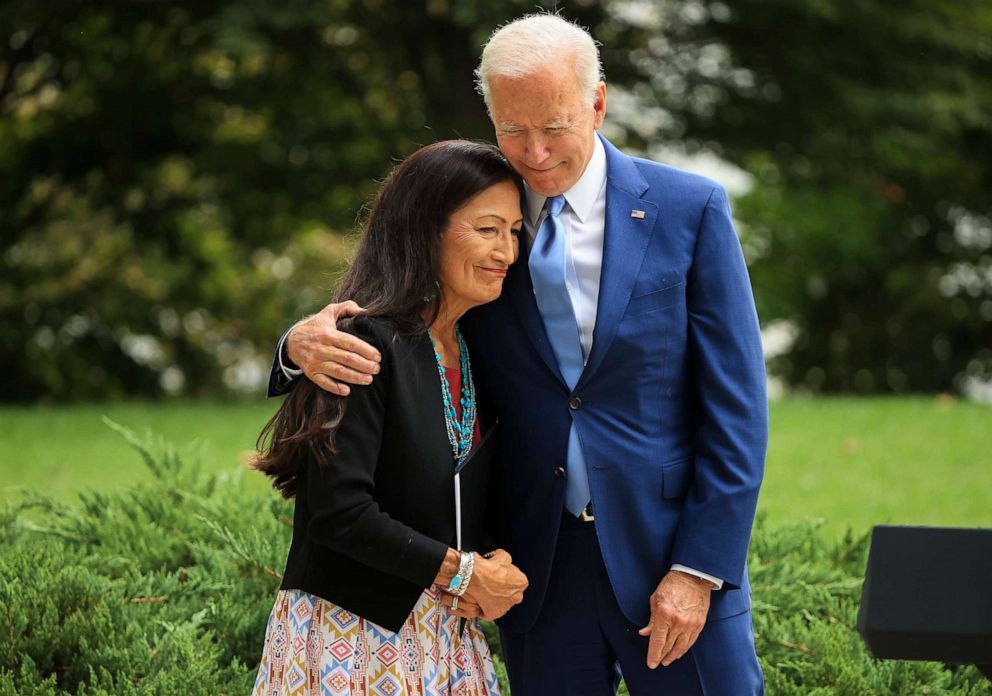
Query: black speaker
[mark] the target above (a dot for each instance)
(928, 595)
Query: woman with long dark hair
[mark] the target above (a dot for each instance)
(389, 568)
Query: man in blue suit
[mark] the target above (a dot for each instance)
(625, 362)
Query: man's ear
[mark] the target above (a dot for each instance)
(599, 105)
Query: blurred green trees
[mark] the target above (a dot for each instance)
(869, 130)
(178, 180)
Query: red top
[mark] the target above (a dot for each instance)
(454, 376)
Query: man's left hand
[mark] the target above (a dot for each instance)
(678, 614)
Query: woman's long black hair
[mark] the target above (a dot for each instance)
(394, 270)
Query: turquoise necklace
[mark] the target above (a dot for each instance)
(460, 431)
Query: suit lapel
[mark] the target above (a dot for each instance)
(520, 291)
(626, 238)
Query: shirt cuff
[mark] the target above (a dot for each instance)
(717, 582)
(291, 373)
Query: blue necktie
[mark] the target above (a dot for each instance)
(547, 271)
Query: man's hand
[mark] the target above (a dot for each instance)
(327, 355)
(678, 614)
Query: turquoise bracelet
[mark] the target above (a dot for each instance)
(459, 583)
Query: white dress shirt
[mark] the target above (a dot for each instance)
(583, 220)
(290, 373)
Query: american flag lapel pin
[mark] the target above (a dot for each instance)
(637, 214)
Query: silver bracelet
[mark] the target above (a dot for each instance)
(459, 583)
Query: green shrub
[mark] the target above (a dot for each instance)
(165, 589)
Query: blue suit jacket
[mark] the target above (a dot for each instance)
(673, 415)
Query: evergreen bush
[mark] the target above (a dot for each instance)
(165, 588)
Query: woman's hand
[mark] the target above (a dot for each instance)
(496, 585)
(463, 606)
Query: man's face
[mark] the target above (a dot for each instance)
(545, 126)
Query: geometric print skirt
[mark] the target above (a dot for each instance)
(316, 648)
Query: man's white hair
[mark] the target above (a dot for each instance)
(534, 43)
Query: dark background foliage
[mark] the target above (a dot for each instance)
(179, 180)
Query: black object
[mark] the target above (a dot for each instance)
(928, 595)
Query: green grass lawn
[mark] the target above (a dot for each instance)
(851, 462)
(856, 462)
(61, 450)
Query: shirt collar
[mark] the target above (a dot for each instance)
(582, 196)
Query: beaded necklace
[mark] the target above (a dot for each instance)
(460, 431)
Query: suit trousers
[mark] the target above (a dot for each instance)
(582, 643)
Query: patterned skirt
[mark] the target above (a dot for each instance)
(316, 648)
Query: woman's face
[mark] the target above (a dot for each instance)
(478, 246)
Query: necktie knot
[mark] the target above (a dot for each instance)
(555, 205)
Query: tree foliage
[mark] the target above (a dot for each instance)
(868, 130)
(179, 180)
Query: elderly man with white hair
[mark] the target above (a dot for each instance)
(625, 364)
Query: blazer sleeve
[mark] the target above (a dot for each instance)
(731, 405)
(340, 491)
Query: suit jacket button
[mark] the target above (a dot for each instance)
(574, 403)
(560, 472)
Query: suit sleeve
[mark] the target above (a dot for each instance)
(731, 405)
(280, 382)
(340, 491)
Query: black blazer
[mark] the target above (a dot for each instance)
(373, 522)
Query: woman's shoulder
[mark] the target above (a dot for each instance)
(366, 327)
(384, 333)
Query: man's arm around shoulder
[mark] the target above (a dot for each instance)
(331, 359)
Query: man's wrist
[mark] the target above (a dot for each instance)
(287, 362)
(697, 576)
(290, 369)
(695, 579)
